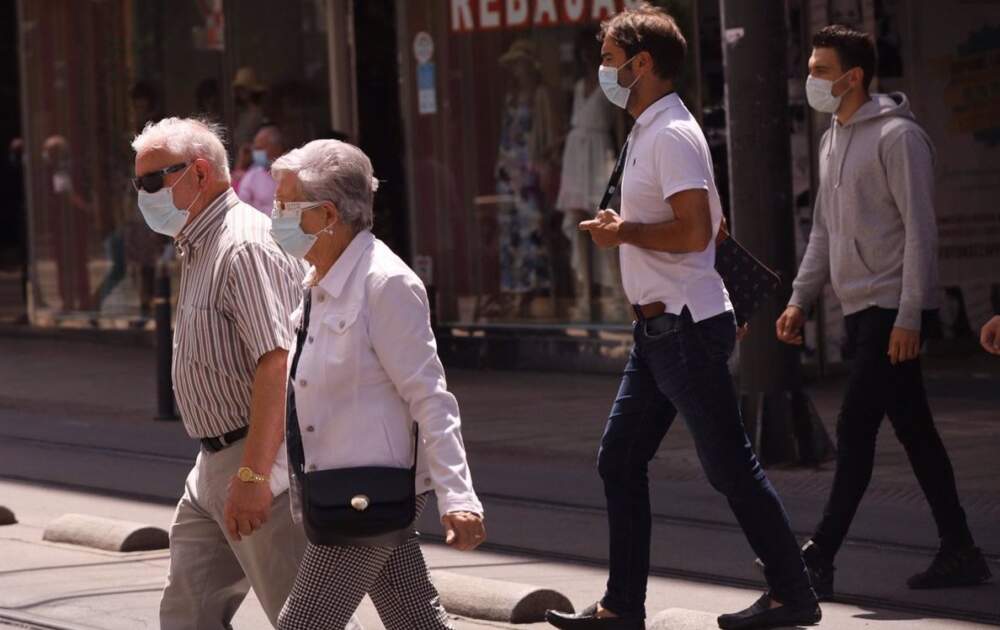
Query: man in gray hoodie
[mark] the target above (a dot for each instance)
(874, 236)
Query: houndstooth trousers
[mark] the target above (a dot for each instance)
(332, 581)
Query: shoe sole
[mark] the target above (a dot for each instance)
(811, 621)
(961, 584)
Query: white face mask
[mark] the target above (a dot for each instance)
(607, 76)
(819, 94)
(286, 227)
(159, 211)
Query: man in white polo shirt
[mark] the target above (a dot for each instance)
(684, 333)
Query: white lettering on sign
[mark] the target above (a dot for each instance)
(489, 14)
(517, 13)
(574, 10)
(461, 16)
(603, 9)
(546, 13)
(468, 16)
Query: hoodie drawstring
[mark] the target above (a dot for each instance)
(839, 167)
(843, 157)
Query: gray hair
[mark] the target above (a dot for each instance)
(331, 170)
(189, 138)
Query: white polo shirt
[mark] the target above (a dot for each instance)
(668, 153)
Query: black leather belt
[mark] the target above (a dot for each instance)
(216, 444)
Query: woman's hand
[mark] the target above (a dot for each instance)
(463, 530)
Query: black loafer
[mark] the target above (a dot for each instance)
(761, 615)
(588, 620)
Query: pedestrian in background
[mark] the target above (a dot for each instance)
(233, 528)
(874, 236)
(685, 332)
(257, 186)
(989, 336)
(365, 376)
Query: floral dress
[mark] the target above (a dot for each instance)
(524, 264)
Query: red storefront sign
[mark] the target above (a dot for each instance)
(468, 16)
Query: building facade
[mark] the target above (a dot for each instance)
(485, 122)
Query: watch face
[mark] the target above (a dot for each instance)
(245, 474)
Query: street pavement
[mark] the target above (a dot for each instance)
(72, 588)
(532, 440)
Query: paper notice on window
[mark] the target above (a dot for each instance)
(426, 91)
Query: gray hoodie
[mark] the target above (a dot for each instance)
(874, 231)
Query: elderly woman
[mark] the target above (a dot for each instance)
(366, 371)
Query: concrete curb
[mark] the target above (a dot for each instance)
(105, 533)
(496, 600)
(684, 619)
(7, 516)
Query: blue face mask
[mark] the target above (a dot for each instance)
(260, 158)
(607, 76)
(159, 211)
(286, 228)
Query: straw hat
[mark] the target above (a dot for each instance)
(520, 50)
(246, 78)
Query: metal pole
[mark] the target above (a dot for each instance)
(165, 409)
(755, 41)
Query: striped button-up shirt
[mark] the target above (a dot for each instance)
(238, 288)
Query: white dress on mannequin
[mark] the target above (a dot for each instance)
(588, 159)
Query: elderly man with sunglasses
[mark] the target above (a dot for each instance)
(233, 528)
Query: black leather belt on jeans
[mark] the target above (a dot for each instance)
(216, 444)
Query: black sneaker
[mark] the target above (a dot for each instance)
(953, 567)
(761, 616)
(820, 571)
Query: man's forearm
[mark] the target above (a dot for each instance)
(267, 413)
(673, 237)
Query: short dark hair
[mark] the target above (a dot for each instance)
(651, 29)
(855, 49)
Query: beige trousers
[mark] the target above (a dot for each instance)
(210, 574)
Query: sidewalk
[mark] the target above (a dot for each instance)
(72, 588)
(532, 441)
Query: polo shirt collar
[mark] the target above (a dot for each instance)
(336, 279)
(663, 104)
(208, 220)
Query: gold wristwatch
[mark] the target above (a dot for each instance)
(249, 476)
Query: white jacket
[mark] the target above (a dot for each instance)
(369, 369)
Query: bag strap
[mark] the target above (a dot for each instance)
(293, 437)
(292, 434)
(616, 175)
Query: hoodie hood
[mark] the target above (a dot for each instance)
(879, 106)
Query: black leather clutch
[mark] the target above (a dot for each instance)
(749, 282)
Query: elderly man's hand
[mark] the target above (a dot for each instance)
(247, 507)
(990, 336)
(463, 530)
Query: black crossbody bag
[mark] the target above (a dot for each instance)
(748, 281)
(368, 505)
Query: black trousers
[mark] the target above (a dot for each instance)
(876, 389)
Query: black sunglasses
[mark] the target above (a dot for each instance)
(152, 182)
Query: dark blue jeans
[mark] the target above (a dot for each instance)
(677, 365)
